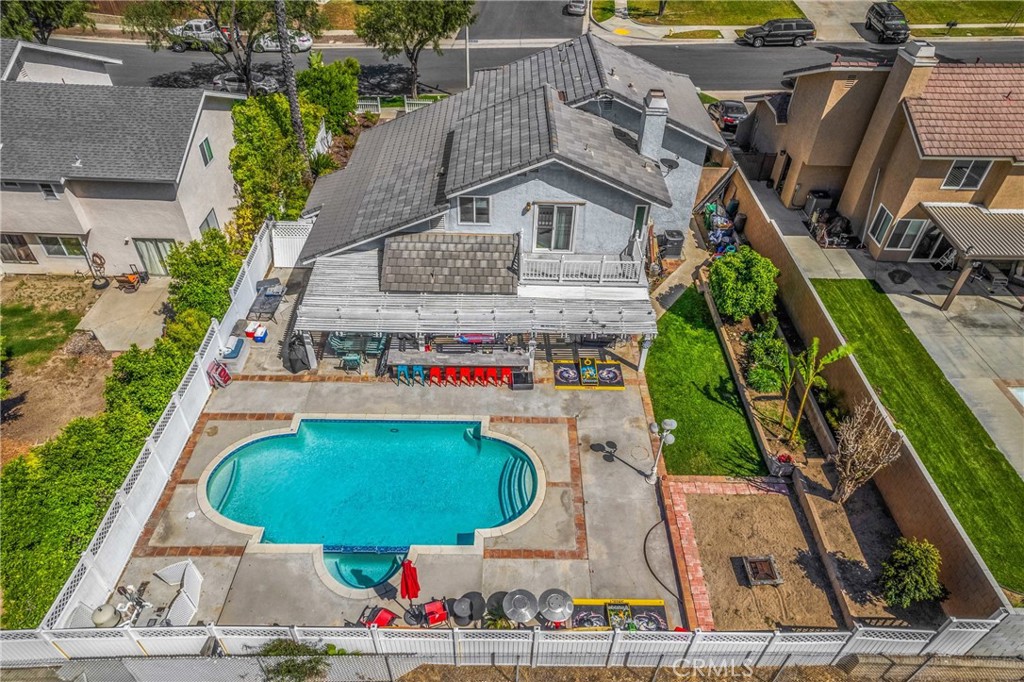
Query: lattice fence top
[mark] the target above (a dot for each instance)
(735, 637)
(350, 633)
(90, 633)
(507, 635)
(105, 526)
(973, 625)
(895, 635)
(420, 634)
(136, 470)
(170, 633)
(241, 631)
(64, 598)
(813, 637)
(657, 636)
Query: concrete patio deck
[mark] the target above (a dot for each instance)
(118, 319)
(588, 536)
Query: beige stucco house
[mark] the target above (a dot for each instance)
(925, 158)
(98, 173)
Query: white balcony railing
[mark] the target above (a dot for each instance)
(587, 269)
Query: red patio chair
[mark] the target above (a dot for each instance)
(479, 376)
(378, 615)
(506, 376)
(451, 376)
(492, 376)
(435, 375)
(435, 613)
(465, 376)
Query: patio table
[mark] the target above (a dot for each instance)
(498, 358)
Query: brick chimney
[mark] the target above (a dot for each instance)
(652, 124)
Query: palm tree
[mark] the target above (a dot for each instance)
(284, 40)
(787, 369)
(810, 366)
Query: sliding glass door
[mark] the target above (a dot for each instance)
(931, 246)
(153, 253)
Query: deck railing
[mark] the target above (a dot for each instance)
(576, 269)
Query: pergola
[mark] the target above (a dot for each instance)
(978, 234)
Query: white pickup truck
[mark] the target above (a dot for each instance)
(196, 34)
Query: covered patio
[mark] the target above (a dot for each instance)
(981, 239)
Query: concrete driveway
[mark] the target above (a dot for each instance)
(837, 20)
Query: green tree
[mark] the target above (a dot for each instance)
(240, 23)
(743, 283)
(266, 165)
(409, 26)
(202, 273)
(38, 19)
(911, 573)
(333, 86)
(810, 366)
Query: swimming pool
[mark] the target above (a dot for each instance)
(367, 490)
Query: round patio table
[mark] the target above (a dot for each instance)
(520, 606)
(462, 609)
(556, 605)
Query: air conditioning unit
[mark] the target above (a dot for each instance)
(817, 200)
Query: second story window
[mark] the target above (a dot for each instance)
(48, 190)
(206, 151)
(966, 174)
(475, 210)
(210, 222)
(554, 227)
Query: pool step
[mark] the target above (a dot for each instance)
(218, 498)
(503, 497)
(514, 487)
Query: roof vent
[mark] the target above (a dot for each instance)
(561, 96)
(78, 161)
(440, 171)
(611, 72)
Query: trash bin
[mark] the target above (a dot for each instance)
(673, 244)
(740, 222)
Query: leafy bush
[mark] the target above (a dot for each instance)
(764, 379)
(911, 573)
(743, 283)
(202, 273)
(764, 346)
(335, 87)
(301, 662)
(322, 164)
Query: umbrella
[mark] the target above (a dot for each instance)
(410, 581)
(556, 605)
(520, 606)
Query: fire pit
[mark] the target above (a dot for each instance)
(761, 570)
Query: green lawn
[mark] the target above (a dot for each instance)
(694, 35)
(690, 382)
(713, 12)
(968, 12)
(706, 98)
(979, 484)
(602, 10)
(32, 334)
(968, 32)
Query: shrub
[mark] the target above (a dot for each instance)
(911, 573)
(764, 379)
(764, 346)
(335, 87)
(299, 662)
(743, 283)
(322, 164)
(202, 273)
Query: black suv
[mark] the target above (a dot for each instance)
(888, 21)
(793, 32)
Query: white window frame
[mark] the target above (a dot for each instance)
(894, 227)
(207, 224)
(204, 149)
(48, 189)
(60, 238)
(970, 166)
(880, 239)
(474, 199)
(572, 228)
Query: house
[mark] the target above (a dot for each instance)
(22, 61)
(524, 205)
(925, 158)
(109, 175)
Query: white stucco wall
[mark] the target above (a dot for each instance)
(25, 209)
(205, 187)
(48, 67)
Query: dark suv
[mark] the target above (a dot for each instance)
(793, 32)
(888, 21)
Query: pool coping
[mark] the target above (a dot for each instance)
(316, 551)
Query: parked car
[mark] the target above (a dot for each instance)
(232, 82)
(268, 42)
(576, 8)
(727, 114)
(888, 21)
(196, 34)
(793, 32)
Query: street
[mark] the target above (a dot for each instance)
(516, 20)
(712, 67)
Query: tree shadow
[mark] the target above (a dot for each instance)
(723, 392)
(385, 79)
(813, 569)
(201, 75)
(10, 408)
(857, 579)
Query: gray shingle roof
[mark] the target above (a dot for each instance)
(447, 263)
(397, 174)
(119, 133)
(7, 47)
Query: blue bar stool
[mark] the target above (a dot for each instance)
(418, 373)
(402, 372)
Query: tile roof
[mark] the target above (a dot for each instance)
(990, 235)
(396, 176)
(449, 263)
(535, 127)
(118, 133)
(971, 110)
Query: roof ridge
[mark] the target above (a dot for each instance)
(602, 75)
(549, 114)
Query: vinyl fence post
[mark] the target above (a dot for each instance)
(293, 631)
(846, 645)
(657, 669)
(387, 666)
(767, 646)
(135, 640)
(375, 637)
(612, 646)
(455, 646)
(45, 636)
(689, 645)
(533, 646)
(180, 411)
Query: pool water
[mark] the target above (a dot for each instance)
(366, 490)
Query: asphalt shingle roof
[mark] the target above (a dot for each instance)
(971, 110)
(448, 263)
(397, 174)
(7, 47)
(118, 133)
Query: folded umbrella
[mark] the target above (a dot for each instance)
(410, 581)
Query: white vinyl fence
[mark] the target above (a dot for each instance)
(96, 575)
(528, 647)
(374, 104)
(287, 239)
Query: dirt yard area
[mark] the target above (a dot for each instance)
(729, 527)
(860, 536)
(63, 377)
(441, 673)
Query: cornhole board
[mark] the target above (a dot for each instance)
(567, 375)
(589, 374)
(609, 376)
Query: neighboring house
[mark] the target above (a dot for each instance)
(925, 158)
(21, 61)
(525, 204)
(111, 171)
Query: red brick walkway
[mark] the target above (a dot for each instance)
(684, 537)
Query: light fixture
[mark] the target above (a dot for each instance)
(664, 433)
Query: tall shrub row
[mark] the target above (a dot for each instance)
(54, 498)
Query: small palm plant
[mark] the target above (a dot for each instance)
(810, 367)
(495, 619)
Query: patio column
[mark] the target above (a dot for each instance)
(965, 273)
(645, 347)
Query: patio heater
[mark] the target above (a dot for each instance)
(664, 434)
